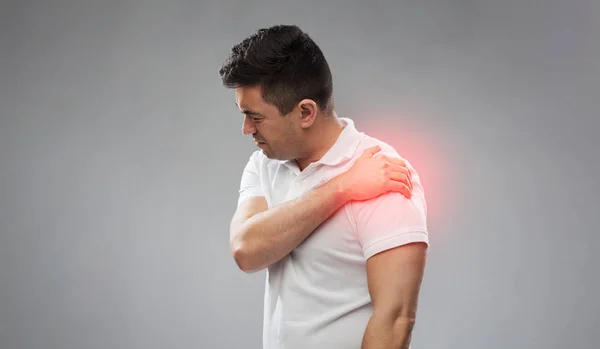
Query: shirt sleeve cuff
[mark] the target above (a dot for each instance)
(406, 236)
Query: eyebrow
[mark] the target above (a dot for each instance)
(249, 112)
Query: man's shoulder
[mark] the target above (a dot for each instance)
(367, 142)
(386, 149)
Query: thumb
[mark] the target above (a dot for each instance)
(369, 152)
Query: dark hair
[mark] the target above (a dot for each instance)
(286, 63)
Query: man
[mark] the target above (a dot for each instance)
(336, 217)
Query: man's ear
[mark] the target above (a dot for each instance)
(308, 112)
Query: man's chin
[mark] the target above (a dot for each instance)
(269, 155)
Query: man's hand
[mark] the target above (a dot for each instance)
(374, 174)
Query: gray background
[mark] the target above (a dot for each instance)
(121, 154)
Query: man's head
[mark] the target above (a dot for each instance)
(282, 83)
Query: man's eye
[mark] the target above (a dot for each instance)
(253, 118)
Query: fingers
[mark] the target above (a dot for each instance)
(402, 177)
(393, 168)
(369, 152)
(398, 171)
(396, 165)
(400, 187)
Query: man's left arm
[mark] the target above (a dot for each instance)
(394, 278)
(392, 231)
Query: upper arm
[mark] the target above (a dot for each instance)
(392, 231)
(394, 278)
(389, 221)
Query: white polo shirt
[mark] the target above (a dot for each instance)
(317, 297)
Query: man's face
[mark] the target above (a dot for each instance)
(277, 135)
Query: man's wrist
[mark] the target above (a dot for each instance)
(340, 189)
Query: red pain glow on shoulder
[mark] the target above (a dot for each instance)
(420, 148)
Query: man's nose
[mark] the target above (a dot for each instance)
(248, 127)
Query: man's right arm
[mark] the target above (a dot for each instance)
(260, 236)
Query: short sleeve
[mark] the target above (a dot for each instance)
(250, 184)
(389, 221)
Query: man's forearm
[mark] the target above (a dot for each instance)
(387, 333)
(268, 236)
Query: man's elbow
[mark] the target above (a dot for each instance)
(402, 323)
(402, 318)
(405, 323)
(243, 257)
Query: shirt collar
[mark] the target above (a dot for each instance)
(344, 147)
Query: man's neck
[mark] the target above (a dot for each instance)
(324, 137)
